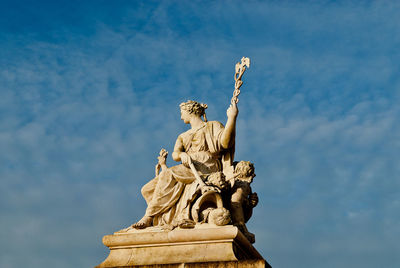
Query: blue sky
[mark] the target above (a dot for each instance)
(89, 93)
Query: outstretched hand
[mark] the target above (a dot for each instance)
(253, 199)
(185, 159)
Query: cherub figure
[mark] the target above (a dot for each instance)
(243, 200)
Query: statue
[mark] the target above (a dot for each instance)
(243, 200)
(197, 210)
(207, 186)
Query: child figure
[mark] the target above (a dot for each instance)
(243, 200)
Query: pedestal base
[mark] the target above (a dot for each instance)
(214, 246)
(221, 264)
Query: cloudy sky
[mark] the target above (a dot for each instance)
(89, 94)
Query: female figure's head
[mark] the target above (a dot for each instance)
(192, 108)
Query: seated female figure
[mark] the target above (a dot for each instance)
(170, 194)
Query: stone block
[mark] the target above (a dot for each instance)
(204, 246)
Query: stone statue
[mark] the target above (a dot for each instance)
(207, 186)
(170, 193)
(243, 200)
(197, 210)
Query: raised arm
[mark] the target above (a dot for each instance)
(228, 135)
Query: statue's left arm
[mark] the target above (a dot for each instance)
(228, 135)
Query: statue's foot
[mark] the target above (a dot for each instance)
(145, 222)
(251, 237)
(186, 224)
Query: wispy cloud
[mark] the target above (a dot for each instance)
(87, 102)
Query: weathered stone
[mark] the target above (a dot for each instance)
(205, 243)
(220, 264)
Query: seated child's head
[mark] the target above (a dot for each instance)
(244, 171)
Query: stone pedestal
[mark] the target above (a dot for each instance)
(204, 246)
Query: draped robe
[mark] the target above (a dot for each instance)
(170, 194)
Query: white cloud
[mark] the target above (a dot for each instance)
(82, 122)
